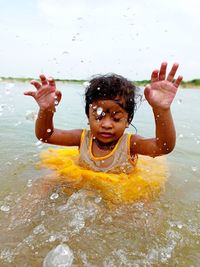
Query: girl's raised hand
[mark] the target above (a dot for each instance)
(46, 94)
(162, 90)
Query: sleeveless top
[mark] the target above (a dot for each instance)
(117, 161)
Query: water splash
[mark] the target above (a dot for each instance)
(5, 208)
(54, 196)
(62, 255)
(31, 115)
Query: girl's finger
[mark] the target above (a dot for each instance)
(178, 81)
(172, 72)
(58, 96)
(154, 76)
(30, 93)
(162, 72)
(43, 79)
(147, 91)
(51, 82)
(36, 84)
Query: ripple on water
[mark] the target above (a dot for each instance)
(164, 232)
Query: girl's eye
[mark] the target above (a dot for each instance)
(98, 118)
(116, 119)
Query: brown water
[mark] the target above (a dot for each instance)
(164, 232)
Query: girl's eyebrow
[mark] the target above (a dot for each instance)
(116, 112)
(118, 102)
(113, 112)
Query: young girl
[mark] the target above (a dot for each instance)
(110, 106)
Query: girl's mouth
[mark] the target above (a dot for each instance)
(106, 135)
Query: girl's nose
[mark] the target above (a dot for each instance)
(106, 122)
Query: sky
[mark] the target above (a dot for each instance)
(75, 39)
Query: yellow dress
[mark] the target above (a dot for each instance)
(143, 183)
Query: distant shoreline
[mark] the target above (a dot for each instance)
(195, 83)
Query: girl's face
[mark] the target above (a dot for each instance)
(107, 120)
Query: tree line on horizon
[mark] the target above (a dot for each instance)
(190, 83)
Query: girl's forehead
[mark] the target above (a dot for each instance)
(115, 104)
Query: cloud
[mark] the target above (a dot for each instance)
(79, 38)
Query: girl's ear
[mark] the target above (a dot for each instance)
(127, 125)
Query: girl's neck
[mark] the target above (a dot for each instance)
(105, 146)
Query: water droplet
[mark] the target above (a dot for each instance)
(52, 238)
(29, 183)
(8, 87)
(180, 226)
(31, 115)
(39, 229)
(94, 107)
(42, 213)
(108, 219)
(38, 143)
(5, 208)
(100, 111)
(194, 168)
(18, 123)
(98, 200)
(180, 136)
(98, 88)
(54, 196)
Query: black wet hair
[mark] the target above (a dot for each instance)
(111, 86)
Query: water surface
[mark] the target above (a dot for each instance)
(164, 232)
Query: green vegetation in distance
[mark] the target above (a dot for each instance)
(28, 79)
(195, 83)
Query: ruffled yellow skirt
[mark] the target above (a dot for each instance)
(145, 182)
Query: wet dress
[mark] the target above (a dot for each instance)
(116, 177)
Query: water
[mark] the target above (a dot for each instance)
(164, 232)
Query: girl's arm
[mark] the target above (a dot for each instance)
(160, 94)
(47, 96)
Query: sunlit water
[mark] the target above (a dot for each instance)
(164, 232)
